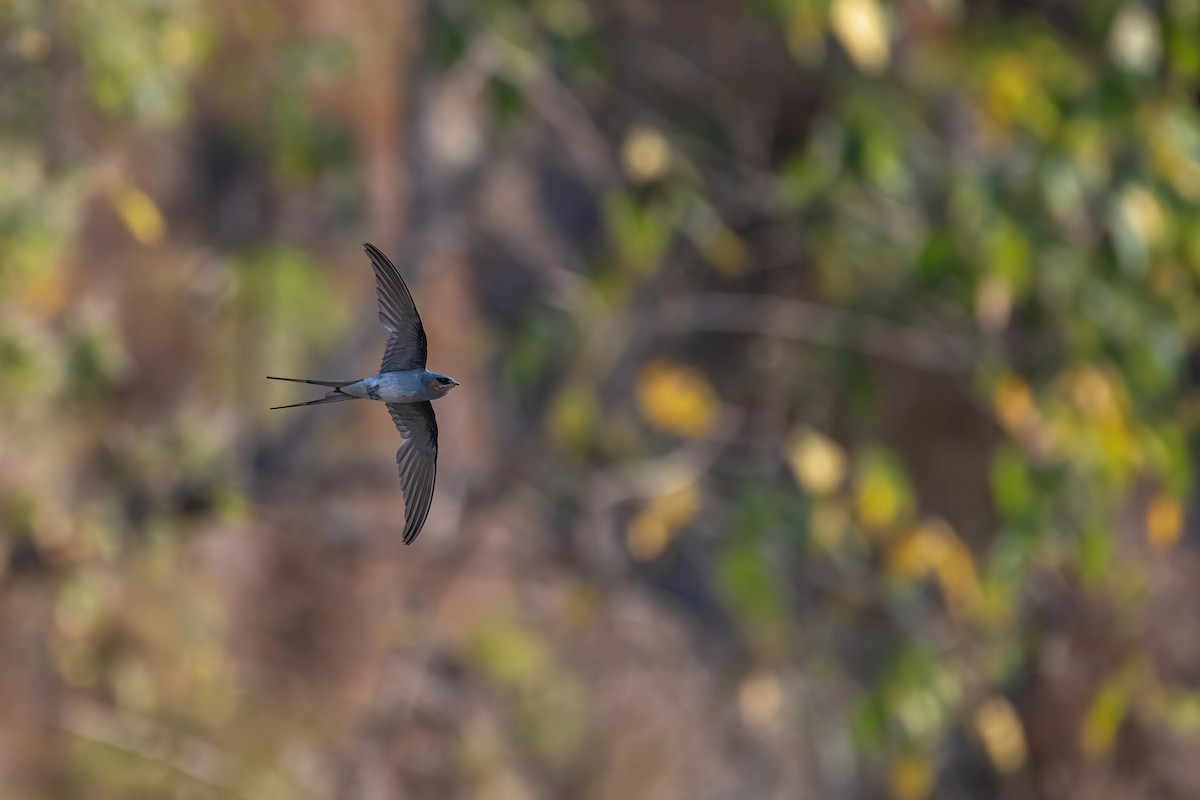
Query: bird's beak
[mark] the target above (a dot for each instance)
(453, 383)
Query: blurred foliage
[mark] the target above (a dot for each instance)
(910, 518)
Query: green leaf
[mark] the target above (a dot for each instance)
(747, 583)
(1012, 484)
(1095, 552)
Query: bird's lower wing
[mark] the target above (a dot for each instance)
(417, 461)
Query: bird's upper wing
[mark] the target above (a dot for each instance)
(417, 460)
(406, 348)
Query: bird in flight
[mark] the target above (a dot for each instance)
(404, 385)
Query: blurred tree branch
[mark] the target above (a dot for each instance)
(813, 323)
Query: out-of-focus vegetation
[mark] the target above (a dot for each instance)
(826, 428)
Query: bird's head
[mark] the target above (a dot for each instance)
(441, 384)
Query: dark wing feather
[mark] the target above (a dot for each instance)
(417, 460)
(406, 347)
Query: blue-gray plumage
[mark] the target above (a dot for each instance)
(405, 386)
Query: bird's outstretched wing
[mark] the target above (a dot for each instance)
(417, 460)
(406, 347)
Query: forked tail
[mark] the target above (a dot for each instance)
(334, 384)
(335, 396)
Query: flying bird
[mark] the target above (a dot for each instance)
(404, 385)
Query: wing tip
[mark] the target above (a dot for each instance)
(413, 528)
(384, 268)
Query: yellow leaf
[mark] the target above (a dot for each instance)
(993, 304)
(918, 554)
(1003, 737)
(818, 462)
(1143, 214)
(646, 154)
(1014, 404)
(760, 698)
(882, 494)
(511, 653)
(1182, 712)
(1164, 522)
(956, 574)
(46, 292)
(1134, 40)
(726, 251)
(862, 30)
(830, 522)
(568, 18)
(177, 46)
(1094, 393)
(997, 603)
(133, 684)
(805, 34)
(679, 507)
(648, 536)
(676, 398)
(934, 549)
(911, 778)
(1014, 94)
(1104, 718)
(1176, 165)
(574, 416)
(140, 214)
(653, 528)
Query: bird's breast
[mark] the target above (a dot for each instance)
(396, 387)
